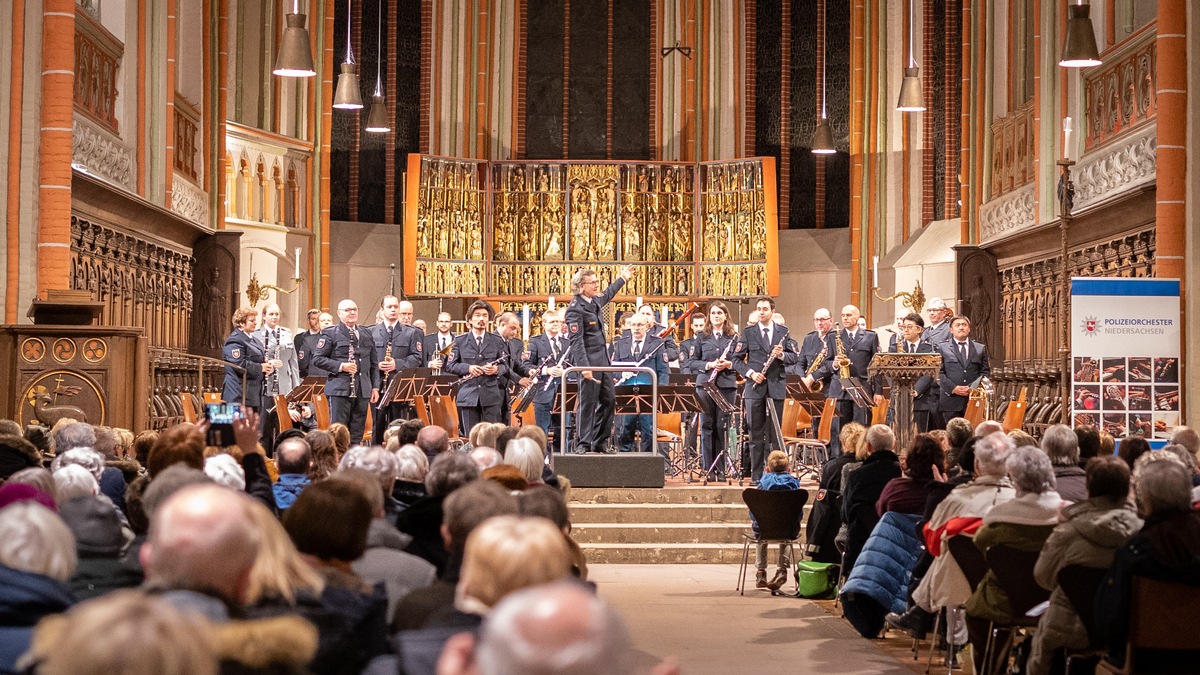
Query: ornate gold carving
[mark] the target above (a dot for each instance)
(63, 350)
(95, 350)
(33, 350)
(58, 394)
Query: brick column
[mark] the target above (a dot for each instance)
(1171, 154)
(54, 164)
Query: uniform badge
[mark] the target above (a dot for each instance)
(574, 328)
(418, 345)
(525, 355)
(665, 359)
(321, 343)
(236, 353)
(450, 358)
(300, 353)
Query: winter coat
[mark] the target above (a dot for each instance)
(944, 585)
(860, 492)
(1093, 531)
(879, 581)
(423, 521)
(1023, 523)
(25, 598)
(362, 608)
(386, 561)
(903, 495)
(95, 576)
(289, 487)
(1071, 483)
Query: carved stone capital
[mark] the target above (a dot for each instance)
(1116, 168)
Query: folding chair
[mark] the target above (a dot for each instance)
(1079, 583)
(1162, 617)
(422, 407)
(795, 422)
(320, 406)
(1013, 569)
(778, 514)
(444, 414)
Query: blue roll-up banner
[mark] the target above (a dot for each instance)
(1125, 346)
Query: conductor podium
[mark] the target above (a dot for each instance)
(904, 370)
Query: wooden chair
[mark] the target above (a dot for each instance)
(443, 413)
(212, 397)
(825, 427)
(1080, 583)
(422, 407)
(320, 406)
(1013, 571)
(795, 425)
(1014, 414)
(281, 410)
(1162, 617)
(191, 409)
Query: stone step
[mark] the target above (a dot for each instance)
(626, 514)
(665, 534)
(691, 494)
(657, 554)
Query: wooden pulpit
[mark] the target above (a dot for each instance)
(904, 369)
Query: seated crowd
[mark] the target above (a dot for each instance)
(978, 512)
(325, 558)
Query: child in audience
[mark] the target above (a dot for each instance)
(778, 476)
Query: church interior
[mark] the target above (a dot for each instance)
(171, 162)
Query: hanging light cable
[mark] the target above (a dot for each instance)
(347, 96)
(822, 143)
(911, 99)
(294, 58)
(1079, 49)
(377, 122)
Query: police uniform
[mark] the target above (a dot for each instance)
(517, 369)
(924, 398)
(407, 351)
(242, 350)
(936, 335)
(478, 399)
(651, 353)
(331, 351)
(585, 329)
(860, 349)
(544, 353)
(957, 371)
(305, 342)
(689, 421)
(751, 352)
(279, 343)
(432, 345)
(714, 435)
(673, 350)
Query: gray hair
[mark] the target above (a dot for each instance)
(1061, 444)
(1181, 451)
(73, 480)
(224, 470)
(1163, 486)
(70, 436)
(34, 539)
(959, 431)
(1188, 438)
(525, 454)
(449, 471)
(553, 629)
(991, 454)
(880, 437)
(89, 459)
(374, 460)
(485, 457)
(1030, 471)
(413, 464)
(988, 427)
(581, 276)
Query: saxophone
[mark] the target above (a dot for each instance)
(812, 367)
(350, 358)
(840, 360)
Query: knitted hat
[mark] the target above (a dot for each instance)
(95, 524)
(16, 453)
(11, 493)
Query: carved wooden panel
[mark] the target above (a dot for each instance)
(1120, 95)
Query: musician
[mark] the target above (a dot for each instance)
(353, 383)
(712, 360)
(439, 341)
(658, 329)
(912, 341)
(688, 350)
(480, 358)
(585, 328)
(758, 343)
(938, 330)
(407, 351)
(964, 362)
(244, 351)
(812, 350)
(547, 358)
(508, 327)
(648, 350)
(280, 348)
(305, 340)
(860, 346)
(405, 315)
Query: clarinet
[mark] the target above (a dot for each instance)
(769, 361)
(387, 356)
(350, 359)
(273, 355)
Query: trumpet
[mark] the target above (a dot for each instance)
(440, 356)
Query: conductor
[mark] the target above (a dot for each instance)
(585, 330)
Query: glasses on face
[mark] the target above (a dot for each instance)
(349, 310)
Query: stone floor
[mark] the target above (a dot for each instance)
(692, 612)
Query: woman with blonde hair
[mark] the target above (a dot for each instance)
(279, 576)
(825, 519)
(505, 554)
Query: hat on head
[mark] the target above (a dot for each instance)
(936, 303)
(11, 493)
(16, 453)
(95, 524)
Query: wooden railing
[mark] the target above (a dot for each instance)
(1013, 144)
(97, 60)
(1119, 95)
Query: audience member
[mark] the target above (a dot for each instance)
(329, 523)
(69, 434)
(923, 464)
(506, 435)
(989, 427)
(863, 487)
(1092, 532)
(483, 435)
(409, 430)
(324, 454)
(1132, 447)
(410, 478)
(142, 443)
(1022, 439)
(1108, 445)
(550, 504)
(100, 544)
(778, 476)
(341, 438)
(1188, 438)
(1022, 523)
(224, 470)
(294, 459)
(423, 520)
(465, 508)
(381, 464)
(504, 554)
(486, 458)
(37, 559)
(1061, 445)
(1166, 549)
(506, 476)
(1088, 439)
(73, 481)
(825, 518)
(958, 432)
(35, 478)
(433, 441)
(16, 454)
(527, 456)
(180, 444)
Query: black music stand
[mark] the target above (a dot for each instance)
(404, 385)
(565, 400)
(308, 387)
(683, 399)
(439, 385)
(813, 401)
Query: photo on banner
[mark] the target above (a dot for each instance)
(1125, 350)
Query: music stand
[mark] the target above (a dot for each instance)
(688, 379)
(308, 387)
(904, 369)
(682, 399)
(405, 384)
(439, 385)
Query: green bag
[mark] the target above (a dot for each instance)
(816, 579)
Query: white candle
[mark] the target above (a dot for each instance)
(297, 263)
(638, 302)
(550, 305)
(875, 269)
(664, 316)
(525, 321)
(1068, 127)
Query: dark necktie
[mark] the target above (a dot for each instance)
(637, 349)
(442, 343)
(962, 351)
(912, 347)
(479, 343)
(766, 336)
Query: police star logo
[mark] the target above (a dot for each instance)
(574, 328)
(321, 343)
(419, 347)
(1090, 326)
(236, 353)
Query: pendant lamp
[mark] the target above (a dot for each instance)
(1079, 50)
(911, 97)
(822, 142)
(347, 96)
(294, 58)
(377, 118)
